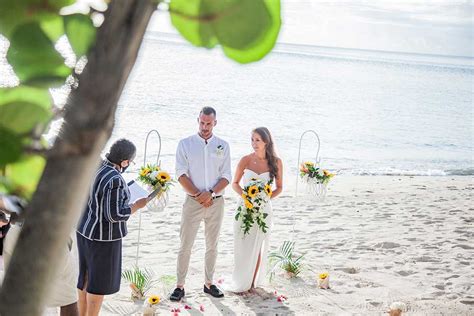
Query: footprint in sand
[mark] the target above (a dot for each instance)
(365, 284)
(405, 273)
(426, 259)
(467, 247)
(375, 304)
(387, 245)
(318, 222)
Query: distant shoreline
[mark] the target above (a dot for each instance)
(393, 57)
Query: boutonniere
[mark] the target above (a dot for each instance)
(220, 151)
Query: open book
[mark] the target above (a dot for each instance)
(136, 191)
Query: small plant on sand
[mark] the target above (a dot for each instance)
(141, 280)
(285, 259)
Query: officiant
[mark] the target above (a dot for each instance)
(102, 227)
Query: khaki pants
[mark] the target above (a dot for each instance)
(193, 214)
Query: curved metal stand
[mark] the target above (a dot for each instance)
(317, 159)
(144, 164)
(146, 146)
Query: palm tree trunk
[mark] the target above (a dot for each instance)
(71, 164)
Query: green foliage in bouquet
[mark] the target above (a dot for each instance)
(155, 177)
(309, 170)
(256, 194)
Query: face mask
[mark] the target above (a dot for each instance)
(124, 168)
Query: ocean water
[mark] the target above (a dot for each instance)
(376, 113)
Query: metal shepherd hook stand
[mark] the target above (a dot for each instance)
(144, 164)
(317, 158)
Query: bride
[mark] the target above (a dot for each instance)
(250, 250)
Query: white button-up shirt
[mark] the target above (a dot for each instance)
(205, 163)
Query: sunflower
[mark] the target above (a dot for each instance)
(248, 204)
(163, 176)
(326, 173)
(244, 196)
(145, 171)
(252, 191)
(154, 299)
(268, 189)
(309, 164)
(324, 275)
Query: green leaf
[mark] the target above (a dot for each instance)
(183, 17)
(246, 29)
(242, 23)
(141, 278)
(15, 13)
(10, 144)
(25, 174)
(80, 32)
(34, 58)
(22, 108)
(53, 27)
(264, 45)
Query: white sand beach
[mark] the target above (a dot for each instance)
(382, 239)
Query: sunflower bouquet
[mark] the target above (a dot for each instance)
(255, 196)
(155, 177)
(310, 172)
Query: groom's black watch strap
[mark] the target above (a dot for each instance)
(213, 194)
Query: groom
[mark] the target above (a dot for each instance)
(203, 169)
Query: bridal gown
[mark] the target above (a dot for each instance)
(247, 247)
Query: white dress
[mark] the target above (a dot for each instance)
(247, 247)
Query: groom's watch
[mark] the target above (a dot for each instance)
(213, 194)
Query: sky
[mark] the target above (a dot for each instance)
(443, 27)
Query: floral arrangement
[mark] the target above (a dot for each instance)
(155, 177)
(286, 259)
(140, 281)
(255, 195)
(396, 308)
(323, 280)
(150, 305)
(310, 171)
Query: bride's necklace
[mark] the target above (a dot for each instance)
(257, 160)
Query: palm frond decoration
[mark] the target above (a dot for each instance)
(141, 281)
(285, 259)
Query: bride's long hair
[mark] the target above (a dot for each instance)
(270, 154)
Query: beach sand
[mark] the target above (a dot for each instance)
(381, 239)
